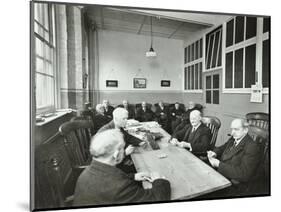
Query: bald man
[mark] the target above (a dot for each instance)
(144, 113)
(239, 156)
(100, 118)
(102, 183)
(108, 109)
(196, 138)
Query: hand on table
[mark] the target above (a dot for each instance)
(186, 145)
(214, 162)
(211, 154)
(129, 150)
(141, 176)
(174, 141)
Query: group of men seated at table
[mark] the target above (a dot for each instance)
(108, 179)
(168, 117)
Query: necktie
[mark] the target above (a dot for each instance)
(193, 129)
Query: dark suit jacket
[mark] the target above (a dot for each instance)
(176, 113)
(109, 111)
(200, 139)
(100, 121)
(129, 139)
(180, 131)
(240, 162)
(163, 119)
(101, 184)
(141, 116)
(130, 110)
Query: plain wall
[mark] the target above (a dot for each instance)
(122, 57)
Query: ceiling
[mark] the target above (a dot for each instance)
(173, 25)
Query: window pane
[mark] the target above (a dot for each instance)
(208, 82)
(185, 78)
(266, 24)
(39, 65)
(265, 64)
(206, 46)
(216, 97)
(201, 48)
(200, 75)
(185, 52)
(44, 91)
(46, 16)
(251, 27)
(250, 65)
(192, 77)
(189, 78)
(188, 53)
(228, 70)
(208, 97)
(216, 81)
(238, 69)
(239, 29)
(196, 49)
(210, 51)
(39, 47)
(220, 44)
(196, 76)
(192, 52)
(214, 59)
(229, 33)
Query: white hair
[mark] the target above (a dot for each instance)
(119, 112)
(98, 107)
(105, 143)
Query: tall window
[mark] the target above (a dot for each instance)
(247, 40)
(212, 89)
(193, 66)
(44, 56)
(213, 49)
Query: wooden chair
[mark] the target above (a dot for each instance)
(258, 119)
(85, 118)
(77, 136)
(55, 179)
(214, 124)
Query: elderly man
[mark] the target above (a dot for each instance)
(162, 114)
(108, 109)
(176, 115)
(129, 108)
(100, 118)
(238, 157)
(102, 183)
(196, 138)
(144, 113)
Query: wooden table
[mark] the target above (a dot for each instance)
(188, 175)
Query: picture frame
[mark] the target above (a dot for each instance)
(165, 83)
(139, 82)
(112, 83)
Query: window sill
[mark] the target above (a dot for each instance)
(52, 117)
(193, 91)
(243, 90)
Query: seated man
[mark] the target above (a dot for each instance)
(100, 118)
(162, 114)
(238, 157)
(129, 108)
(120, 116)
(176, 115)
(144, 113)
(197, 137)
(108, 109)
(102, 183)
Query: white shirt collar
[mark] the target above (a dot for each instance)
(238, 140)
(195, 128)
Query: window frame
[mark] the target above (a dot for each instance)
(190, 63)
(51, 44)
(258, 41)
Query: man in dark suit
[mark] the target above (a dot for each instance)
(162, 115)
(108, 109)
(144, 113)
(100, 118)
(197, 137)
(102, 183)
(238, 157)
(129, 108)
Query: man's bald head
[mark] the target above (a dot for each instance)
(195, 118)
(120, 116)
(239, 128)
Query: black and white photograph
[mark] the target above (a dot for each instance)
(201, 132)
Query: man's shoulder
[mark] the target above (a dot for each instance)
(204, 128)
(108, 126)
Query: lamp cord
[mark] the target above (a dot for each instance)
(151, 31)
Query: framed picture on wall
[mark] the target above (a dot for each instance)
(112, 83)
(165, 83)
(139, 83)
